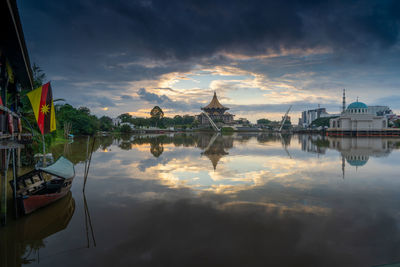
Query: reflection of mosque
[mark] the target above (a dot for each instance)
(214, 147)
(22, 239)
(357, 151)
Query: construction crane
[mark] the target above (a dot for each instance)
(284, 118)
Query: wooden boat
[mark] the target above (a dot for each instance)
(34, 191)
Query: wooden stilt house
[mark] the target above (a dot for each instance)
(15, 75)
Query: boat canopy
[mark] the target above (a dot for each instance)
(62, 168)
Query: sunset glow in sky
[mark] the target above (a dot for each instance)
(259, 56)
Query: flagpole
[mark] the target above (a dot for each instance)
(44, 151)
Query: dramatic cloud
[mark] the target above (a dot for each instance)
(184, 29)
(294, 50)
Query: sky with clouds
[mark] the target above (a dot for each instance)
(259, 56)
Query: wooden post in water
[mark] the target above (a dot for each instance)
(88, 165)
(14, 182)
(3, 189)
(6, 155)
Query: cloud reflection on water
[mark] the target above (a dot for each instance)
(270, 201)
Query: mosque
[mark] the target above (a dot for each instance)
(360, 120)
(357, 117)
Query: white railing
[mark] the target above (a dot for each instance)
(212, 140)
(215, 127)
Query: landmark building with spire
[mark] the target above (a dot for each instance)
(216, 111)
(358, 119)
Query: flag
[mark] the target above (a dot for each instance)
(10, 72)
(42, 104)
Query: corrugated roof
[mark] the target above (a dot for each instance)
(215, 104)
(12, 43)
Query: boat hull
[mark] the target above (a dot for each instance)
(30, 203)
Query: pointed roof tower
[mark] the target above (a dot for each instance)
(214, 104)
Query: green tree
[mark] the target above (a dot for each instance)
(125, 117)
(82, 122)
(140, 121)
(264, 121)
(187, 119)
(156, 114)
(106, 123)
(178, 120)
(322, 122)
(125, 128)
(84, 110)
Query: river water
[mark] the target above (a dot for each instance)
(213, 200)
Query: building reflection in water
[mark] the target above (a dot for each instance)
(314, 143)
(213, 146)
(215, 149)
(22, 239)
(355, 151)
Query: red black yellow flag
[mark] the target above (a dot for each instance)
(42, 103)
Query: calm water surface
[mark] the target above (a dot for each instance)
(212, 200)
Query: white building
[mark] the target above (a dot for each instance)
(308, 116)
(116, 122)
(358, 117)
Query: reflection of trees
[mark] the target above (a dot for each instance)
(77, 149)
(106, 142)
(22, 239)
(274, 137)
(125, 145)
(156, 149)
(157, 141)
(200, 140)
